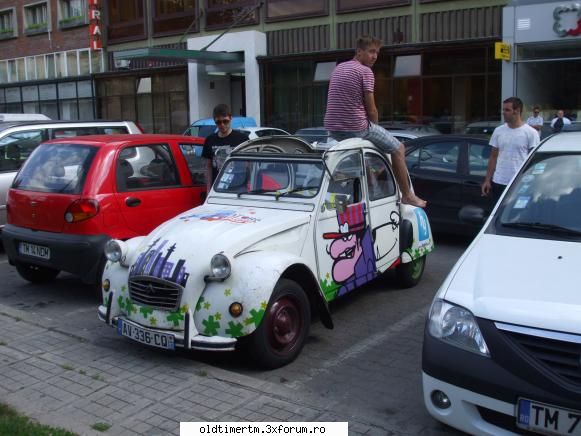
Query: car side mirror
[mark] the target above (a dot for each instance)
(472, 215)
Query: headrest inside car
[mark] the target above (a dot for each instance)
(56, 170)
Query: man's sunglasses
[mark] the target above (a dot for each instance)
(219, 122)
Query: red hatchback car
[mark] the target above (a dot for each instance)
(73, 195)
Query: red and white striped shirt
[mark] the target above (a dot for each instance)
(345, 104)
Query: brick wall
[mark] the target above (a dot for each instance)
(56, 40)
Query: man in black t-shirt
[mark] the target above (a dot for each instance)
(219, 145)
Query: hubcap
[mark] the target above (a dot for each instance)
(285, 324)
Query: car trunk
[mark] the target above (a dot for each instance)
(49, 182)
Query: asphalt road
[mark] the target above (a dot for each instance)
(368, 366)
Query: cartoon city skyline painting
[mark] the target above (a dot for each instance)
(155, 263)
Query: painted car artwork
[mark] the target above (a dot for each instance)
(286, 229)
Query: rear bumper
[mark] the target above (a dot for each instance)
(81, 255)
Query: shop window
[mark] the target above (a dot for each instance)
(30, 68)
(357, 5)
(3, 72)
(96, 61)
(36, 18)
(289, 9)
(126, 20)
(72, 13)
(12, 71)
(223, 13)
(60, 65)
(40, 71)
(408, 66)
(84, 63)
(7, 24)
(72, 64)
(50, 66)
(174, 17)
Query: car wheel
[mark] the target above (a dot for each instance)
(281, 335)
(35, 273)
(409, 274)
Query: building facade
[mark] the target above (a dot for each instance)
(436, 66)
(46, 60)
(545, 64)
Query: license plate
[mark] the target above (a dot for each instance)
(34, 250)
(548, 419)
(146, 336)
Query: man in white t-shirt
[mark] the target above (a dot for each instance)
(511, 144)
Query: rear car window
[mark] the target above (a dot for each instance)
(58, 168)
(16, 147)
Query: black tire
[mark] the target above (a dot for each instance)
(280, 337)
(409, 274)
(35, 273)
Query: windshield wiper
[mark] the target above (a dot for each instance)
(256, 191)
(302, 188)
(543, 226)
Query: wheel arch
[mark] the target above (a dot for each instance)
(301, 274)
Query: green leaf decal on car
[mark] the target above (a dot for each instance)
(211, 325)
(175, 317)
(255, 317)
(146, 311)
(234, 330)
(199, 304)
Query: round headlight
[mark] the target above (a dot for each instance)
(113, 250)
(220, 266)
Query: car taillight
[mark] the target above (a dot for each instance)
(81, 210)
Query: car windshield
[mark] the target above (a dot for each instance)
(546, 197)
(60, 168)
(276, 178)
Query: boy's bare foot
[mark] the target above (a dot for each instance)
(414, 200)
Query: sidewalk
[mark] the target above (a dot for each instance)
(61, 379)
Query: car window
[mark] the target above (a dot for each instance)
(60, 168)
(113, 130)
(196, 163)
(402, 139)
(546, 196)
(345, 182)
(71, 132)
(16, 147)
(146, 167)
(478, 155)
(439, 156)
(380, 183)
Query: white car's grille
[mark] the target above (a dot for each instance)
(154, 292)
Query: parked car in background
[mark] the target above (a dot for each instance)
(547, 130)
(447, 171)
(312, 135)
(259, 132)
(502, 343)
(482, 127)
(285, 229)
(19, 138)
(206, 126)
(72, 195)
(421, 129)
(6, 118)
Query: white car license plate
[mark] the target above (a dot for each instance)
(34, 250)
(548, 419)
(146, 336)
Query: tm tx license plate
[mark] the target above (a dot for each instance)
(34, 250)
(548, 419)
(146, 336)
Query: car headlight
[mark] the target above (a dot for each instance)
(220, 267)
(115, 250)
(456, 326)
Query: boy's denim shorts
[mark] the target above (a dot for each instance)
(377, 135)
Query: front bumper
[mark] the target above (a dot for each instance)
(186, 339)
(81, 255)
(484, 391)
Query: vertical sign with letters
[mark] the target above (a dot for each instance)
(95, 40)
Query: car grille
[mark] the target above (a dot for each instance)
(154, 292)
(560, 356)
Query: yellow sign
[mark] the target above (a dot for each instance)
(502, 51)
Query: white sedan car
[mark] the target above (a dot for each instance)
(285, 229)
(502, 346)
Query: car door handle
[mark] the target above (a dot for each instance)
(132, 201)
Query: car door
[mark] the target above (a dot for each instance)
(345, 252)
(384, 214)
(474, 173)
(149, 189)
(434, 171)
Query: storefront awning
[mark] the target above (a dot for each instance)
(198, 56)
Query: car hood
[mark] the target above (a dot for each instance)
(524, 281)
(209, 229)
